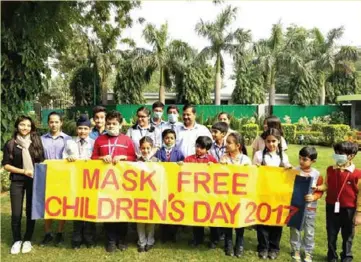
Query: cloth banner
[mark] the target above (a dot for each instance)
(168, 193)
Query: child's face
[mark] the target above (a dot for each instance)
(231, 145)
(271, 143)
(113, 124)
(146, 149)
(200, 151)
(169, 139)
(99, 119)
(83, 131)
(305, 162)
(217, 135)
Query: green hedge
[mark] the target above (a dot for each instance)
(335, 133)
(289, 132)
(249, 132)
(309, 138)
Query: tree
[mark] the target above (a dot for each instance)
(221, 40)
(57, 95)
(163, 56)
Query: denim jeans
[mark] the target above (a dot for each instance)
(308, 241)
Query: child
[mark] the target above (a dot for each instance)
(203, 144)
(81, 147)
(169, 153)
(113, 147)
(272, 155)
(269, 122)
(341, 184)
(145, 230)
(236, 153)
(219, 132)
(99, 114)
(307, 156)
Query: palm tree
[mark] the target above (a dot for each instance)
(163, 57)
(221, 40)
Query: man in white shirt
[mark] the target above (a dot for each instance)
(188, 133)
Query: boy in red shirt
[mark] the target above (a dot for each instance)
(342, 186)
(113, 147)
(203, 144)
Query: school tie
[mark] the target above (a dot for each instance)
(82, 141)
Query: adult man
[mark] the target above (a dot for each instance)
(99, 114)
(190, 131)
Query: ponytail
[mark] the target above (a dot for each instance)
(280, 154)
(264, 152)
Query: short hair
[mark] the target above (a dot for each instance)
(114, 114)
(190, 106)
(168, 131)
(172, 107)
(224, 113)
(346, 147)
(309, 151)
(143, 109)
(55, 114)
(274, 122)
(99, 109)
(220, 126)
(146, 139)
(157, 104)
(204, 142)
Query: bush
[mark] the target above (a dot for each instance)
(5, 180)
(249, 132)
(317, 127)
(289, 132)
(335, 133)
(69, 127)
(125, 128)
(338, 118)
(309, 138)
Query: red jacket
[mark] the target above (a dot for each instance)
(335, 179)
(105, 145)
(196, 159)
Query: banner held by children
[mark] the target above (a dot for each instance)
(168, 193)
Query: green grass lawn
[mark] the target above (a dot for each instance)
(171, 252)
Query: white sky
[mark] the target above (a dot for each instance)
(257, 16)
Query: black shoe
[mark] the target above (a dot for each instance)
(238, 251)
(111, 247)
(75, 245)
(122, 246)
(141, 249)
(148, 247)
(47, 239)
(263, 254)
(59, 239)
(212, 245)
(90, 244)
(273, 255)
(229, 250)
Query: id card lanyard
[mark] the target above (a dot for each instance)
(337, 204)
(111, 151)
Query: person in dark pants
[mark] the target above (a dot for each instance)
(20, 154)
(342, 186)
(81, 148)
(112, 148)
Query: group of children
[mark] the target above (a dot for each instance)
(342, 184)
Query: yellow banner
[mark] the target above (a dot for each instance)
(168, 193)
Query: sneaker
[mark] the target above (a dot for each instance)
(296, 256)
(238, 251)
(308, 257)
(15, 249)
(111, 247)
(122, 246)
(229, 250)
(59, 239)
(141, 249)
(272, 255)
(47, 239)
(148, 247)
(263, 254)
(26, 247)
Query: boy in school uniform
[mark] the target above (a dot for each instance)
(81, 148)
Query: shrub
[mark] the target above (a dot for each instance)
(335, 133)
(69, 127)
(125, 128)
(289, 132)
(249, 132)
(338, 118)
(309, 138)
(5, 180)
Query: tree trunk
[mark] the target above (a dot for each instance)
(104, 93)
(161, 86)
(217, 87)
(272, 88)
(321, 80)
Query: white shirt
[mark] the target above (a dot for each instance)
(259, 144)
(271, 159)
(241, 159)
(137, 133)
(186, 138)
(75, 149)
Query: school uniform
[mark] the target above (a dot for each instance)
(137, 132)
(198, 232)
(83, 232)
(169, 232)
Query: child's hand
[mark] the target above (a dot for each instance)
(107, 159)
(357, 218)
(223, 162)
(288, 167)
(209, 163)
(116, 159)
(309, 198)
(180, 163)
(71, 158)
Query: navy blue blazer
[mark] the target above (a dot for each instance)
(175, 156)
